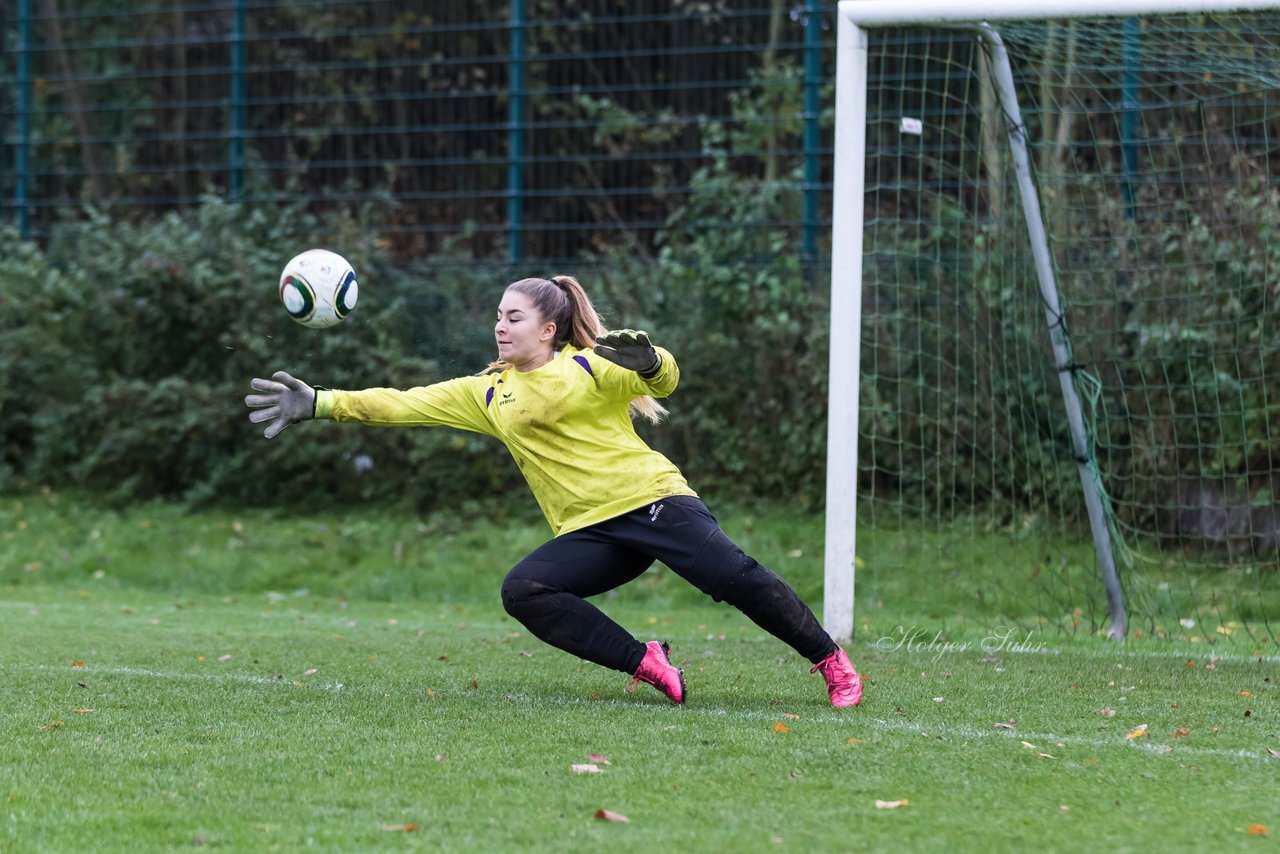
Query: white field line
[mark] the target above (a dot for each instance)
(853, 721)
(914, 644)
(856, 723)
(1199, 653)
(1047, 742)
(100, 670)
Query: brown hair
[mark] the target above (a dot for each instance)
(562, 301)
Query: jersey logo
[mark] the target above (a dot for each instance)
(654, 510)
(488, 395)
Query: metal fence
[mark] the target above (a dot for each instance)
(520, 132)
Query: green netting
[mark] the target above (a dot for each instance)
(1152, 144)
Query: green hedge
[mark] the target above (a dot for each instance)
(127, 349)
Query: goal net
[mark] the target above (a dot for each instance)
(1060, 241)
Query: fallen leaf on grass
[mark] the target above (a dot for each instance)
(1179, 733)
(310, 671)
(1107, 712)
(1029, 746)
(609, 815)
(599, 758)
(890, 805)
(405, 828)
(224, 658)
(781, 727)
(54, 725)
(1257, 830)
(585, 768)
(77, 663)
(790, 716)
(1138, 732)
(1009, 724)
(83, 711)
(1271, 751)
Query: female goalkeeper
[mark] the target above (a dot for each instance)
(561, 397)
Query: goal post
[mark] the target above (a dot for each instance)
(843, 378)
(858, 23)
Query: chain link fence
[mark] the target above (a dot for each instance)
(525, 133)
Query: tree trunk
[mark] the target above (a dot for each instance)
(75, 101)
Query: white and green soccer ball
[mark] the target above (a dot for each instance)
(318, 288)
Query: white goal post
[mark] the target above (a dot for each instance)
(855, 20)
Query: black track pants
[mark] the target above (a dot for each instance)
(547, 590)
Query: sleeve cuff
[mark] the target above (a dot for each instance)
(652, 372)
(324, 403)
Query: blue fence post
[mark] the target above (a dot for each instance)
(515, 137)
(22, 141)
(812, 129)
(235, 171)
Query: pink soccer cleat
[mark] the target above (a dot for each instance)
(656, 670)
(844, 685)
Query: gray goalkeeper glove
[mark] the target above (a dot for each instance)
(630, 349)
(287, 400)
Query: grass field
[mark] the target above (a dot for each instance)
(254, 681)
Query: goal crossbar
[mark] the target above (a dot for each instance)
(890, 13)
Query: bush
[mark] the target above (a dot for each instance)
(128, 350)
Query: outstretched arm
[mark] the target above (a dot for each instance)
(287, 401)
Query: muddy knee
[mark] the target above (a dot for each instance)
(740, 579)
(527, 598)
(518, 593)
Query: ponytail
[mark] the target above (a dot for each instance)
(563, 301)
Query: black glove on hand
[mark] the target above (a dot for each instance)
(288, 401)
(630, 349)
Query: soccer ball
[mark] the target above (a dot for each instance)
(318, 288)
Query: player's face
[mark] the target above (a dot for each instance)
(524, 338)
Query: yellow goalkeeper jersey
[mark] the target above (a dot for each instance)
(566, 424)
